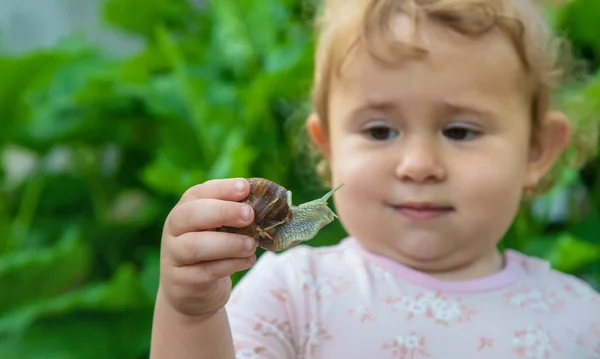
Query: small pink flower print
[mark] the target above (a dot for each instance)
(280, 294)
(485, 343)
(534, 299)
(410, 346)
(235, 298)
(581, 291)
(442, 309)
(414, 307)
(363, 313)
(273, 327)
(314, 334)
(535, 343)
(378, 272)
(588, 340)
(581, 341)
(324, 287)
(249, 353)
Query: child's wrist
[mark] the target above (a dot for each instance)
(185, 317)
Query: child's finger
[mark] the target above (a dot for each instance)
(228, 189)
(203, 214)
(195, 247)
(205, 274)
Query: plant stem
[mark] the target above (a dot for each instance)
(22, 223)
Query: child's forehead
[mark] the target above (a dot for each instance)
(484, 73)
(491, 55)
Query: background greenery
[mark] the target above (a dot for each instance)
(96, 151)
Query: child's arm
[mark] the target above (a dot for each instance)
(257, 318)
(178, 336)
(195, 268)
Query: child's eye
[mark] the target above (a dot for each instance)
(381, 132)
(460, 133)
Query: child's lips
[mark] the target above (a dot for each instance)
(423, 210)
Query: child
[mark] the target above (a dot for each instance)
(435, 116)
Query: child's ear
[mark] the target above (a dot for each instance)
(548, 143)
(318, 134)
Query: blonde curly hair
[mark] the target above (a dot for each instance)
(341, 24)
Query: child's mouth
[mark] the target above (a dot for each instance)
(422, 210)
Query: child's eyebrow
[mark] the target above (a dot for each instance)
(446, 107)
(375, 105)
(458, 108)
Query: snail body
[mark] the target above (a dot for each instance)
(278, 224)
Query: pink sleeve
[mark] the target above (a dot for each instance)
(260, 312)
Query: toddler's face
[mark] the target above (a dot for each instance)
(434, 153)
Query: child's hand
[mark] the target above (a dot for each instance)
(196, 262)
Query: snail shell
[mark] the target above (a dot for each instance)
(271, 208)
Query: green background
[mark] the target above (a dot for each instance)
(216, 92)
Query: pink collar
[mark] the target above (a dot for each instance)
(511, 273)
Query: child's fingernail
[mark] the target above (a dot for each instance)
(246, 213)
(250, 245)
(240, 185)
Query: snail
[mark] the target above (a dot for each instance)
(278, 224)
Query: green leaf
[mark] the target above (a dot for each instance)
(18, 76)
(139, 17)
(263, 19)
(235, 159)
(121, 293)
(54, 111)
(30, 276)
(166, 177)
(587, 229)
(200, 122)
(232, 35)
(150, 274)
(579, 20)
(570, 254)
(83, 334)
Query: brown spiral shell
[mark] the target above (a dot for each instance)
(269, 201)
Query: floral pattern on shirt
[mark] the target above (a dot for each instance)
(273, 327)
(581, 291)
(537, 300)
(250, 353)
(535, 343)
(442, 309)
(378, 272)
(409, 346)
(314, 334)
(485, 343)
(323, 287)
(280, 294)
(363, 313)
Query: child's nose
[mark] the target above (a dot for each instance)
(419, 161)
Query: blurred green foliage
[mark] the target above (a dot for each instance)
(97, 150)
